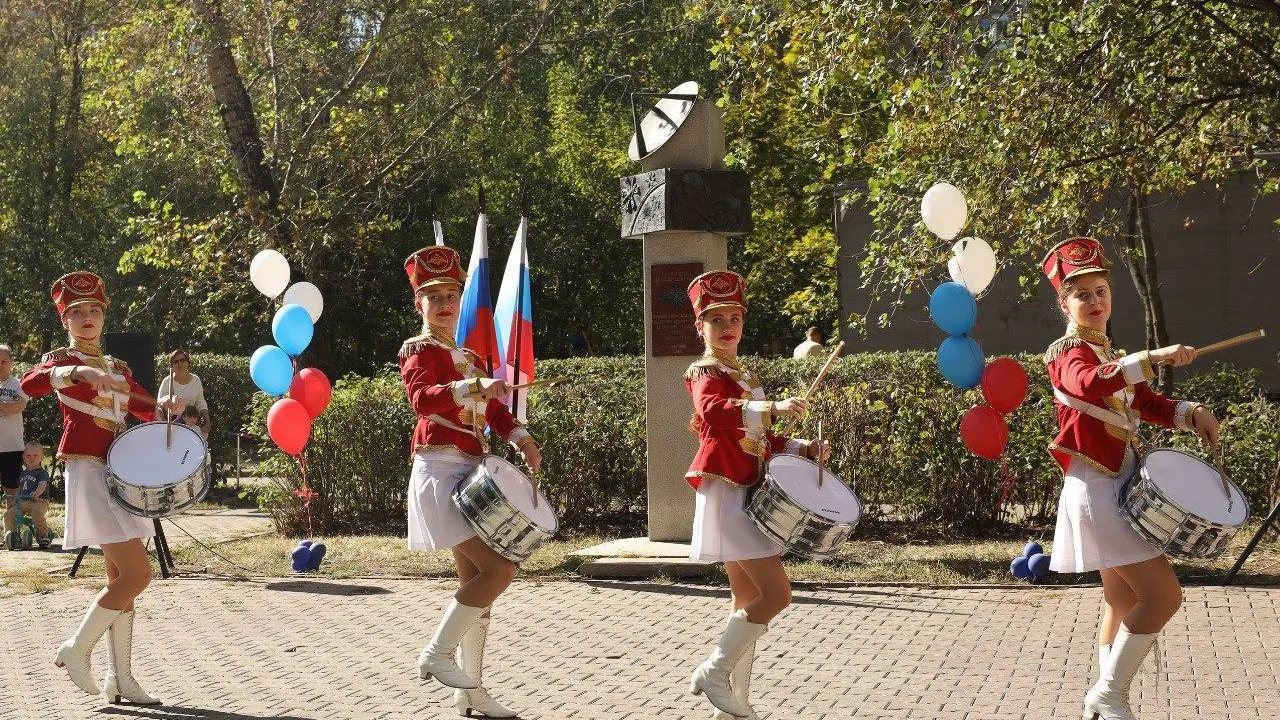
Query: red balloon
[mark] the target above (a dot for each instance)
(289, 425)
(1004, 384)
(984, 432)
(311, 388)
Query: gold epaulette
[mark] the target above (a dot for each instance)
(56, 355)
(1061, 346)
(702, 367)
(416, 344)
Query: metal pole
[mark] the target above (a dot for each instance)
(1253, 542)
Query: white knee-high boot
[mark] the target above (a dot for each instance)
(712, 676)
(74, 655)
(1111, 702)
(471, 657)
(740, 682)
(1104, 653)
(120, 683)
(436, 659)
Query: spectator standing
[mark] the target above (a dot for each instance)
(812, 346)
(12, 402)
(187, 386)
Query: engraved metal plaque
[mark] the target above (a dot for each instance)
(670, 312)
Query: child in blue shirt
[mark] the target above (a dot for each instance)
(33, 493)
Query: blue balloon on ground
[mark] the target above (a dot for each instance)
(953, 308)
(305, 543)
(1032, 548)
(1018, 568)
(271, 370)
(1038, 564)
(293, 329)
(318, 551)
(961, 362)
(301, 557)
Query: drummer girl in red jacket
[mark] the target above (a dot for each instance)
(1101, 395)
(454, 399)
(96, 393)
(732, 419)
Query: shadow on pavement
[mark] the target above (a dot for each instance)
(796, 598)
(177, 712)
(324, 588)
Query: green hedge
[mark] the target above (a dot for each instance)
(892, 419)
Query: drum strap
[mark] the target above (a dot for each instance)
(439, 420)
(115, 414)
(1109, 417)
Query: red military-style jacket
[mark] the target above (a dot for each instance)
(1085, 370)
(731, 418)
(90, 420)
(437, 378)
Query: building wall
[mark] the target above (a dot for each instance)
(1219, 274)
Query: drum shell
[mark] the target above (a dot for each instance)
(495, 519)
(793, 526)
(1167, 525)
(158, 501)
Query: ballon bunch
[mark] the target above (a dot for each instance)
(1032, 564)
(307, 556)
(954, 308)
(272, 366)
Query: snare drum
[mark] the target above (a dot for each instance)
(789, 507)
(1183, 505)
(497, 501)
(148, 478)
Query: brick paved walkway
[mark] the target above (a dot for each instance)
(315, 649)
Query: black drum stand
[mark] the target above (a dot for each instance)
(163, 555)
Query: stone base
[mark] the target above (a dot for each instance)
(640, 558)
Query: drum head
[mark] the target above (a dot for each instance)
(1195, 485)
(518, 490)
(139, 456)
(798, 477)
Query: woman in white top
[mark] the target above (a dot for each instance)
(187, 386)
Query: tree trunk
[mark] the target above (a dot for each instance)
(239, 120)
(1141, 260)
(71, 142)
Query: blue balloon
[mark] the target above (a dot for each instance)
(301, 557)
(1018, 568)
(271, 370)
(961, 362)
(317, 554)
(1038, 564)
(953, 308)
(1032, 548)
(305, 543)
(293, 329)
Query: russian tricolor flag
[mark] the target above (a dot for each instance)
(514, 319)
(475, 320)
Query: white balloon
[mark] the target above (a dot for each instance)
(945, 210)
(973, 264)
(269, 272)
(306, 295)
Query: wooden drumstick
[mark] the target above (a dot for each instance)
(168, 414)
(534, 480)
(819, 458)
(1224, 344)
(1232, 342)
(549, 382)
(825, 367)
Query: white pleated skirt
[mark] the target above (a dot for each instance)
(435, 523)
(93, 517)
(722, 529)
(1091, 533)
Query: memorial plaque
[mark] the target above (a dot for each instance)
(670, 310)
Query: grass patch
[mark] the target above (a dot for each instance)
(26, 582)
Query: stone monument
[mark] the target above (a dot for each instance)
(683, 208)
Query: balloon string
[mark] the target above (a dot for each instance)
(1006, 484)
(305, 493)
